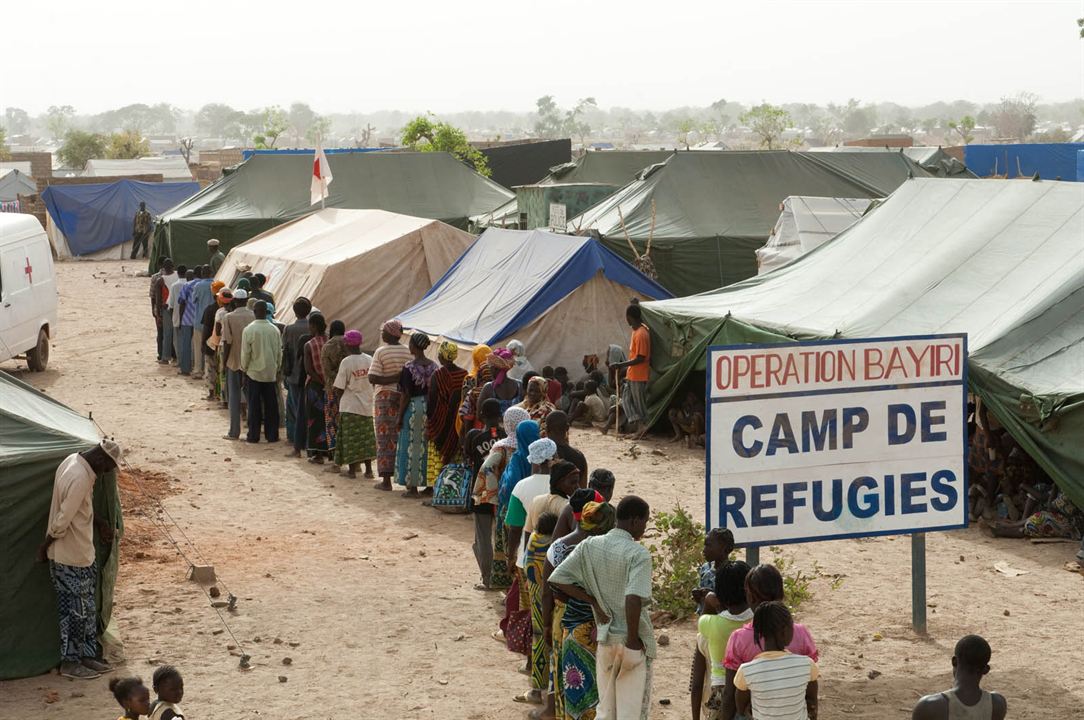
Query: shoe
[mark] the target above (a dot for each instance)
(77, 671)
(97, 665)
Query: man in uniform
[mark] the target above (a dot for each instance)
(141, 230)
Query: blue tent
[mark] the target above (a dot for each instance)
(563, 296)
(95, 217)
(1052, 161)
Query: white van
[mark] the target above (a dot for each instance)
(28, 292)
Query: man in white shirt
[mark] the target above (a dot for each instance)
(174, 289)
(356, 442)
(69, 547)
(540, 453)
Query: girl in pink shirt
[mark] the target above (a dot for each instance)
(762, 584)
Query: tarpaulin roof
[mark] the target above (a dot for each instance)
(1052, 161)
(806, 223)
(613, 167)
(99, 216)
(269, 190)
(36, 433)
(14, 183)
(1001, 261)
(170, 167)
(358, 266)
(931, 157)
(511, 278)
(708, 212)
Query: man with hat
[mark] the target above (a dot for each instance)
(69, 548)
(217, 258)
(233, 326)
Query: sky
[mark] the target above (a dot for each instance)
(446, 56)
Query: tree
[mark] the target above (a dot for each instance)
(768, 123)
(574, 122)
(1014, 117)
(217, 120)
(17, 120)
(964, 128)
(426, 134)
(58, 119)
(301, 119)
(549, 124)
(318, 130)
(274, 125)
(79, 147)
(686, 131)
(5, 152)
(127, 145)
(853, 119)
(186, 145)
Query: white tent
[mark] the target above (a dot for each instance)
(358, 266)
(170, 167)
(806, 223)
(14, 183)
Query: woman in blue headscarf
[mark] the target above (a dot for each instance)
(516, 624)
(517, 468)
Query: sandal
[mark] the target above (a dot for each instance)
(531, 697)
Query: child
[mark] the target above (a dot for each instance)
(714, 632)
(970, 661)
(132, 695)
(718, 544)
(776, 684)
(533, 570)
(169, 687)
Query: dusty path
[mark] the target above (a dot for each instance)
(377, 591)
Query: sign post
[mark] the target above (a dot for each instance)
(831, 439)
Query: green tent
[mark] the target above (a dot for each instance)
(1000, 260)
(36, 434)
(577, 185)
(707, 212)
(932, 158)
(269, 190)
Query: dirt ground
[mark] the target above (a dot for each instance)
(371, 598)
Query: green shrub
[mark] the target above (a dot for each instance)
(676, 554)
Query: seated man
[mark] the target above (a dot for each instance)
(587, 406)
(688, 420)
(970, 662)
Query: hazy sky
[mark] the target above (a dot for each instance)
(442, 55)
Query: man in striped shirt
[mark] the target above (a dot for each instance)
(777, 684)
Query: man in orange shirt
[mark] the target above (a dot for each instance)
(634, 394)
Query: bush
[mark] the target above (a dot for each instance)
(676, 556)
(677, 551)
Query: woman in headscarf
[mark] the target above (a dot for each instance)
(356, 442)
(572, 670)
(442, 410)
(331, 356)
(503, 387)
(413, 450)
(480, 373)
(487, 492)
(315, 395)
(388, 362)
(520, 364)
(535, 402)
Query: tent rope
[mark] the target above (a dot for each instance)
(161, 526)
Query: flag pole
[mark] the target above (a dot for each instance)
(320, 145)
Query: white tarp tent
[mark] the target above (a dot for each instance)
(563, 296)
(806, 223)
(358, 266)
(170, 167)
(13, 183)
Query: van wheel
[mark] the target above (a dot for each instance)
(38, 357)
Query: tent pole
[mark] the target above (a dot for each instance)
(617, 408)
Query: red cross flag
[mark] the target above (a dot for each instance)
(321, 177)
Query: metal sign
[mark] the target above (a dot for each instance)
(841, 438)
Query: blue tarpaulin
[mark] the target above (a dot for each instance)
(1053, 161)
(509, 280)
(99, 216)
(246, 154)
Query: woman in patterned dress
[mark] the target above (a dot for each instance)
(413, 451)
